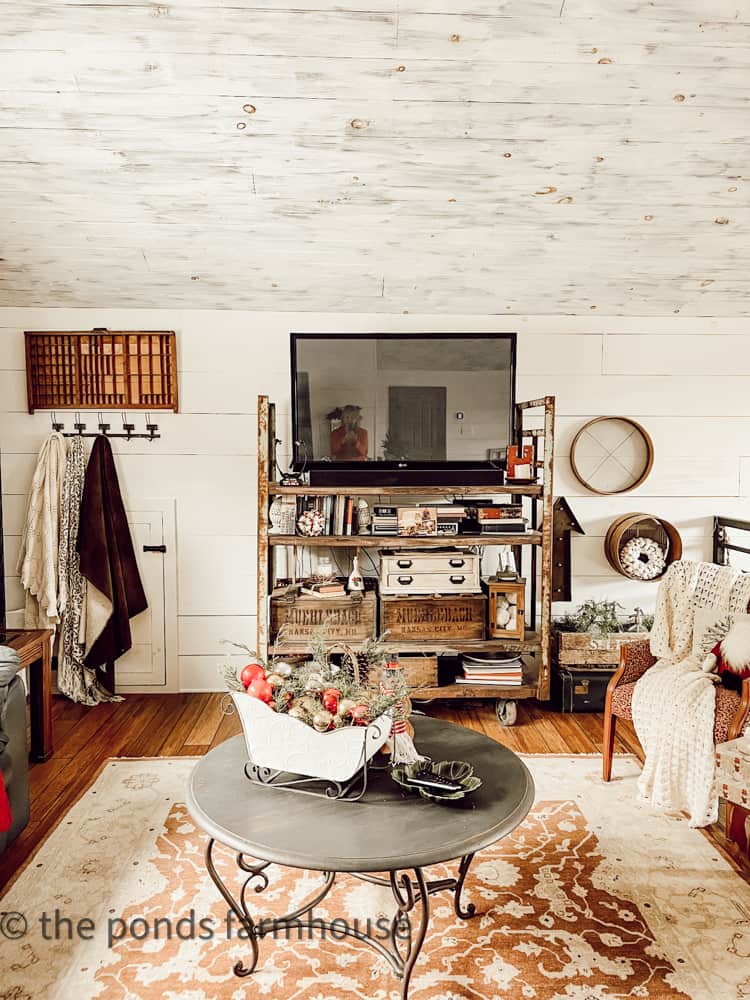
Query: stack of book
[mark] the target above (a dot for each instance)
(323, 588)
(496, 670)
(339, 513)
(384, 520)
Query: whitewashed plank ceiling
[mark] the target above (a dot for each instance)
(487, 156)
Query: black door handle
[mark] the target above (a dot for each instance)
(456, 563)
(457, 579)
(405, 580)
(154, 548)
(403, 563)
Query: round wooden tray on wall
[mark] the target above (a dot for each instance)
(611, 455)
(644, 525)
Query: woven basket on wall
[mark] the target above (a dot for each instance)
(638, 526)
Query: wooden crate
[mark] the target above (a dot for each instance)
(348, 619)
(586, 648)
(420, 670)
(423, 619)
(132, 370)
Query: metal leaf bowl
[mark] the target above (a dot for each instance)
(457, 770)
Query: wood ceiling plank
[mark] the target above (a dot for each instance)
(402, 119)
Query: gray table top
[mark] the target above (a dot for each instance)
(388, 830)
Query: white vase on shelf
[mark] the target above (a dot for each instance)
(355, 583)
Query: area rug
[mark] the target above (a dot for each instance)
(595, 897)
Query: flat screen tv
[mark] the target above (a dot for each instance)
(402, 409)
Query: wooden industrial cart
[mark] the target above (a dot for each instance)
(533, 554)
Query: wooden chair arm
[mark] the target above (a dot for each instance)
(737, 725)
(635, 659)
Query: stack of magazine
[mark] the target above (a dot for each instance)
(496, 669)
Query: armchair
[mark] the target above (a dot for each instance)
(732, 709)
(14, 756)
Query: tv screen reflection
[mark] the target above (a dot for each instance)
(403, 399)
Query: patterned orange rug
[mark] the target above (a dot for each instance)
(593, 898)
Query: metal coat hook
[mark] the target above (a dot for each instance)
(151, 428)
(127, 428)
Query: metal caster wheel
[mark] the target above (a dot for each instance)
(506, 712)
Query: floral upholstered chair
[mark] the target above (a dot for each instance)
(732, 707)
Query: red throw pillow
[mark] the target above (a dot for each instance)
(5, 816)
(733, 655)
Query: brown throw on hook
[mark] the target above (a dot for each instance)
(107, 555)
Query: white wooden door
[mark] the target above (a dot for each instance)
(144, 666)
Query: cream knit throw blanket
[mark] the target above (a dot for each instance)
(674, 702)
(38, 559)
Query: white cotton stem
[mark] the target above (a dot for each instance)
(403, 750)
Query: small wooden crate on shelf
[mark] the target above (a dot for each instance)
(420, 669)
(347, 619)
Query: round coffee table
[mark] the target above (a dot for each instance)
(387, 831)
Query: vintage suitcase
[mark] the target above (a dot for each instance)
(427, 619)
(410, 572)
(580, 689)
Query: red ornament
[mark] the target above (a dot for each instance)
(250, 672)
(330, 698)
(261, 689)
(360, 715)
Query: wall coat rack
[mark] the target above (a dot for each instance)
(128, 429)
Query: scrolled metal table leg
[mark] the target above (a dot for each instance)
(238, 908)
(463, 870)
(406, 899)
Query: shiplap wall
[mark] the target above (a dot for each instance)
(531, 156)
(688, 381)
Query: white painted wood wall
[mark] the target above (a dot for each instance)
(687, 381)
(491, 156)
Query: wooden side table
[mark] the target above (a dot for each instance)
(34, 647)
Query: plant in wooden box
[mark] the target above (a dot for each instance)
(599, 617)
(587, 651)
(314, 721)
(594, 633)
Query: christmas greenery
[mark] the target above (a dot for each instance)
(323, 693)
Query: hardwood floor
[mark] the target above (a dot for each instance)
(191, 724)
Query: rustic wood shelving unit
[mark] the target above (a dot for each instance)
(537, 544)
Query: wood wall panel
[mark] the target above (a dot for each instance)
(652, 354)
(205, 635)
(535, 157)
(491, 118)
(692, 399)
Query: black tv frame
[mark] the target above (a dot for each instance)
(401, 473)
